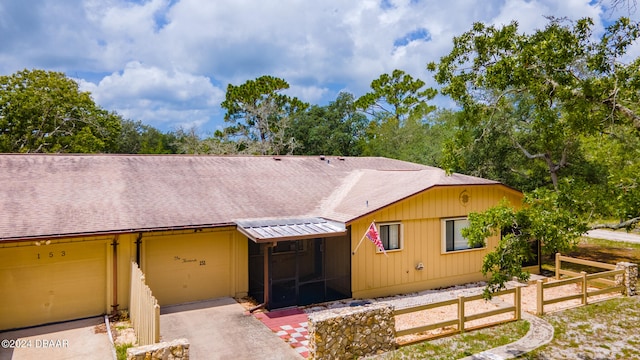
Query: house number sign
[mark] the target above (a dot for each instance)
(185, 260)
(52, 254)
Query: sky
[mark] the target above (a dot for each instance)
(167, 63)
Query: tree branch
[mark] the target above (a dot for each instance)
(621, 225)
(528, 154)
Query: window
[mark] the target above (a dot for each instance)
(452, 236)
(390, 235)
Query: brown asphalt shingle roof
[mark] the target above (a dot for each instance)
(49, 195)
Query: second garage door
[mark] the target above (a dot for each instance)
(185, 268)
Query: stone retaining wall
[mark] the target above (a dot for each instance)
(351, 332)
(174, 350)
(629, 279)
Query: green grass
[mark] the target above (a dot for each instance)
(602, 330)
(462, 345)
(121, 351)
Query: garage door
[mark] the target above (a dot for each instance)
(186, 268)
(50, 283)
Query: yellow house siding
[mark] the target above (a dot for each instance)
(126, 255)
(421, 216)
(241, 269)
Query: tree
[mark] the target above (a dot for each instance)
(44, 111)
(397, 96)
(548, 97)
(335, 129)
(260, 114)
(397, 105)
(138, 138)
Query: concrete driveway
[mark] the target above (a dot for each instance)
(70, 340)
(221, 329)
(614, 235)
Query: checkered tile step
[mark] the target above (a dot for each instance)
(297, 337)
(291, 326)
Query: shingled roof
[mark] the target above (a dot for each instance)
(66, 195)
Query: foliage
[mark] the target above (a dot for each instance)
(44, 111)
(398, 95)
(544, 90)
(260, 114)
(121, 350)
(545, 217)
(335, 129)
(138, 138)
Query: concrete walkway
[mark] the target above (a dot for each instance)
(613, 235)
(222, 329)
(540, 333)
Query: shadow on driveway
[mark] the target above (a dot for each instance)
(222, 329)
(69, 340)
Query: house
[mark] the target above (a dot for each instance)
(282, 229)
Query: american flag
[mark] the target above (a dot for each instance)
(372, 234)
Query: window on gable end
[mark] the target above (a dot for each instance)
(391, 236)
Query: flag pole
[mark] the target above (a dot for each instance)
(359, 243)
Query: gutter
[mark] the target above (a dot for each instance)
(113, 232)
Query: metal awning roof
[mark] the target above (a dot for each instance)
(274, 230)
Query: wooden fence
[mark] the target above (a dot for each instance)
(462, 318)
(144, 310)
(598, 279)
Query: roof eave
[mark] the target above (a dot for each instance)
(350, 221)
(112, 232)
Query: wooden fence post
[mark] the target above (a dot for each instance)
(156, 330)
(584, 287)
(540, 297)
(461, 314)
(558, 266)
(517, 301)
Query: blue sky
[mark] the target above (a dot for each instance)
(168, 62)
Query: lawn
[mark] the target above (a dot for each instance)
(461, 345)
(604, 330)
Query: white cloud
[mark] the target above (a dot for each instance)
(157, 96)
(310, 94)
(166, 61)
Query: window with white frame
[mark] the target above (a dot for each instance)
(391, 236)
(452, 239)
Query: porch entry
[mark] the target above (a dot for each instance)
(309, 265)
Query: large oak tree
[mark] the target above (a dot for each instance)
(560, 106)
(44, 111)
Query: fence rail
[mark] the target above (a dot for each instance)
(144, 310)
(585, 280)
(462, 318)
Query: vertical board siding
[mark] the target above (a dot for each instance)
(373, 274)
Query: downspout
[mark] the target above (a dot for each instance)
(115, 305)
(138, 248)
